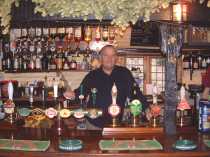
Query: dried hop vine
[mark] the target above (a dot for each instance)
(122, 12)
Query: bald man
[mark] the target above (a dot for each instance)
(103, 79)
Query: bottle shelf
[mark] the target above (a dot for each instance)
(200, 69)
(42, 71)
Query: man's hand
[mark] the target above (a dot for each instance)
(69, 94)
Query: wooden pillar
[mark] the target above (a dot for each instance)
(170, 99)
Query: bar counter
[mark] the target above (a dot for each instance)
(91, 140)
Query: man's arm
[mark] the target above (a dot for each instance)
(86, 86)
(75, 94)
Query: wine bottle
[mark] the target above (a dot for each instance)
(45, 62)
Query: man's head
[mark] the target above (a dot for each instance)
(108, 56)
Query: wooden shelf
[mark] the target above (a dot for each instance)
(40, 71)
(195, 69)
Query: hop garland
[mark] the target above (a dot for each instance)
(122, 12)
(5, 9)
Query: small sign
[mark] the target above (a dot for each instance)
(145, 34)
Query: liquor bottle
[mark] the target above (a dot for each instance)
(49, 62)
(46, 57)
(50, 54)
(20, 62)
(70, 34)
(195, 63)
(199, 62)
(59, 60)
(16, 63)
(25, 64)
(38, 64)
(98, 34)
(204, 62)
(208, 61)
(88, 34)
(84, 65)
(73, 64)
(32, 47)
(39, 48)
(111, 34)
(61, 33)
(7, 62)
(78, 36)
(31, 64)
(1, 54)
(79, 59)
(105, 33)
(65, 61)
(4, 62)
(52, 65)
(45, 62)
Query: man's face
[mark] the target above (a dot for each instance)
(108, 58)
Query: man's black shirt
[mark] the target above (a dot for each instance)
(103, 82)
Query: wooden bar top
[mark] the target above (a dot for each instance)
(92, 138)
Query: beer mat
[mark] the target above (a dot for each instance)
(24, 145)
(117, 145)
(207, 143)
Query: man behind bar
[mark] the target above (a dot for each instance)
(103, 79)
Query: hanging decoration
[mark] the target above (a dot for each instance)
(5, 9)
(171, 41)
(122, 12)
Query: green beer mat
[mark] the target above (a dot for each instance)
(207, 143)
(24, 145)
(130, 145)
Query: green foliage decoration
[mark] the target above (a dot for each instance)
(122, 12)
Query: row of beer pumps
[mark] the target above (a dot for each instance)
(61, 111)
